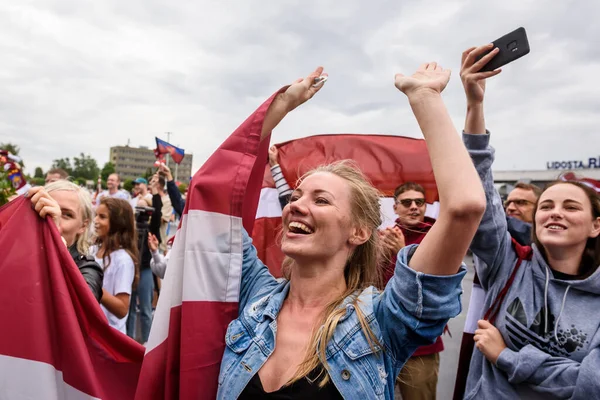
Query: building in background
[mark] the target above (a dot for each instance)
(505, 180)
(133, 162)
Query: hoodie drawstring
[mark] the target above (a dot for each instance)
(562, 307)
(546, 301)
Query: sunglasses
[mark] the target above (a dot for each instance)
(408, 202)
(518, 202)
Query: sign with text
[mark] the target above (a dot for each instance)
(590, 163)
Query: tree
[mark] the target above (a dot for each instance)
(85, 167)
(63, 163)
(6, 188)
(39, 173)
(80, 181)
(109, 168)
(14, 150)
(128, 185)
(37, 181)
(182, 188)
(149, 173)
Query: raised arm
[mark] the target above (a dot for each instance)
(255, 275)
(491, 243)
(284, 190)
(299, 92)
(173, 191)
(462, 200)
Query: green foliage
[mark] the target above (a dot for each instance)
(80, 181)
(85, 167)
(109, 168)
(182, 188)
(63, 163)
(39, 173)
(37, 181)
(128, 185)
(149, 173)
(6, 188)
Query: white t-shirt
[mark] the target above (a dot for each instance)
(147, 197)
(118, 278)
(119, 194)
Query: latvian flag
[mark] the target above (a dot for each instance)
(199, 296)
(388, 161)
(55, 342)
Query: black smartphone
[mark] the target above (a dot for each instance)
(511, 47)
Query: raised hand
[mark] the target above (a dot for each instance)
(299, 92)
(273, 156)
(429, 78)
(473, 80)
(44, 204)
(152, 242)
(166, 170)
(303, 89)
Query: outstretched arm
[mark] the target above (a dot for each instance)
(491, 243)
(283, 188)
(462, 200)
(299, 92)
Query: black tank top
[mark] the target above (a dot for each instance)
(302, 389)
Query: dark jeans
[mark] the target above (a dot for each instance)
(143, 295)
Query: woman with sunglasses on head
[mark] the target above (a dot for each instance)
(545, 339)
(116, 250)
(325, 331)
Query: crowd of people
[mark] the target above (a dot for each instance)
(116, 238)
(362, 306)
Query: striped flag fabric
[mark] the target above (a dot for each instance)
(200, 292)
(55, 341)
(388, 161)
(572, 177)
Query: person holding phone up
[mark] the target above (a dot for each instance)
(545, 339)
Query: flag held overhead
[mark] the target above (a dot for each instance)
(163, 147)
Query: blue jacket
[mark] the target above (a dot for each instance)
(412, 311)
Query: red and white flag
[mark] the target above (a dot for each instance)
(388, 161)
(200, 293)
(55, 341)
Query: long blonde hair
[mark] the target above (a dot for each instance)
(85, 205)
(361, 269)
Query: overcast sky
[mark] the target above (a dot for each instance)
(81, 76)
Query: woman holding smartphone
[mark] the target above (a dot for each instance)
(545, 340)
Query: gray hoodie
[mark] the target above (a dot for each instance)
(551, 327)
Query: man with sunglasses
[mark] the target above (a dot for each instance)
(418, 378)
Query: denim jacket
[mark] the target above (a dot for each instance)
(412, 311)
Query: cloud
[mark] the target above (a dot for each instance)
(81, 77)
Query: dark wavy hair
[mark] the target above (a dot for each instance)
(122, 233)
(590, 259)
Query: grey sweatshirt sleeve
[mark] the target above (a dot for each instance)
(284, 190)
(492, 243)
(158, 264)
(557, 377)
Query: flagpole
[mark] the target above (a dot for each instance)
(168, 140)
